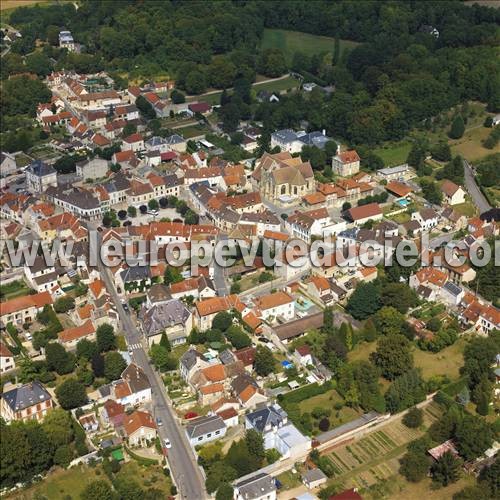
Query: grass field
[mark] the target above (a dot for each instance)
(393, 154)
(277, 85)
(193, 131)
(13, 4)
(13, 290)
(295, 41)
(61, 483)
(447, 362)
(470, 145)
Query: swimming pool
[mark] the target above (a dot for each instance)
(403, 202)
(303, 304)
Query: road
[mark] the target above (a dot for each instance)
(181, 458)
(220, 274)
(473, 189)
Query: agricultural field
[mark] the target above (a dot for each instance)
(375, 457)
(293, 41)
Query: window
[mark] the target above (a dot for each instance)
(209, 435)
(200, 438)
(217, 433)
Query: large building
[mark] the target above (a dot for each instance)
(39, 176)
(29, 402)
(283, 179)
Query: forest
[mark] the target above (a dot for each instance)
(399, 76)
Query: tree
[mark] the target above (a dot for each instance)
(97, 364)
(431, 192)
(105, 337)
(414, 418)
(153, 204)
(129, 129)
(238, 338)
(172, 275)
(64, 304)
(472, 493)
(224, 492)
(272, 63)
(414, 466)
(324, 424)
(58, 425)
(264, 361)
(191, 218)
(389, 321)
(164, 342)
(479, 355)
(41, 447)
(416, 156)
(364, 302)
(457, 128)
(132, 211)
(58, 359)
(114, 364)
(441, 151)
(218, 471)
(490, 476)
(473, 436)
(255, 443)
(446, 469)
(393, 356)
(222, 321)
(145, 108)
(63, 455)
(161, 358)
(98, 489)
(398, 295)
(177, 97)
(71, 394)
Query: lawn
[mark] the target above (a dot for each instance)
(289, 480)
(193, 131)
(470, 145)
(13, 290)
(61, 483)
(393, 154)
(398, 488)
(295, 41)
(277, 85)
(447, 362)
(468, 209)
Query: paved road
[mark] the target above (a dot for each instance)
(473, 189)
(220, 274)
(181, 459)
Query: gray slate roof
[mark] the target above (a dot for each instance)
(203, 425)
(135, 273)
(271, 415)
(40, 168)
(25, 396)
(161, 316)
(257, 486)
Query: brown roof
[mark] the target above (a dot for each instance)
(275, 235)
(227, 414)
(122, 389)
(214, 373)
(273, 300)
(20, 303)
(212, 388)
(349, 156)
(449, 188)
(4, 351)
(217, 304)
(365, 211)
(398, 188)
(113, 408)
(314, 198)
(78, 332)
(133, 138)
(246, 355)
(136, 420)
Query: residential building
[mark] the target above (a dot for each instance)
(134, 142)
(205, 429)
(246, 390)
(260, 486)
(364, 213)
(133, 388)
(113, 413)
(205, 310)
(275, 305)
(92, 169)
(426, 217)
(190, 362)
(171, 317)
(346, 163)
(30, 401)
(75, 200)
(7, 164)
(139, 428)
(452, 194)
(23, 309)
(71, 336)
(66, 41)
(39, 176)
(6, 359)
(394, 173)
(313, 478)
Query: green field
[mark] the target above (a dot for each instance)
(393, 154)
(13, 290)
(295, 41)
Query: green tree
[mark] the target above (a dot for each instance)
(414, 418)
(473, 436)
(58, 426)
(172, 275)
(264, 361)
(64, 304)
(222, 321)
(393, 356)
(161, 358)
(105, 337)
(272, 63)
(255, 443)
(457, 128)
(63, 455)
(416, 156)
(164, 342)
(177, 97)
(58, 359)
(129, 129)
(446, 469)
(224, 492)
(364, 302)
(398, 295)
(389, 321)
(41, 448)
(414, 466)
(431, 192)
(86, 349)
(153, 204)
(441, 151)
(132, 211)
(216, 472)
(145, 108)
(114, 364)
(238, 338)
(71, 394)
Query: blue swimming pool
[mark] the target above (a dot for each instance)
(303, 304)
(403, 202)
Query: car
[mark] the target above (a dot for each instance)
(167, 442)
(125, 307)
(159, 423)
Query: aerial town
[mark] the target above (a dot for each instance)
(250, 252)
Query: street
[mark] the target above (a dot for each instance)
(220, 274)
(473, 189)
(181, 459)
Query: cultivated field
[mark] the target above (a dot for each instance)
(293, 41)
(375, 457)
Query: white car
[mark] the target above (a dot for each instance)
(167, 442)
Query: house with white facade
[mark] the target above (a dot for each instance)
(427, 218)
(452, 193)
(205, 429)
(274, 305)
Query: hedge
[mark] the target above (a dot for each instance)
(305, 392)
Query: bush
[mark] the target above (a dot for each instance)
(324, 424)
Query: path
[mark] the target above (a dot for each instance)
(473, 189)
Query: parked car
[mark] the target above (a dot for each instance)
(167, 442)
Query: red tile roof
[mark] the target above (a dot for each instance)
(136, 420)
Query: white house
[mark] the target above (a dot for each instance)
(427, 218)
(139, 428)
(134, 142)
(7, 164)
(452, 194)
(133, 388)
(260, 486)
(205, 429)
(92, 169)
(6, 359)
(346, 163)
(274, 305)
(39, 176)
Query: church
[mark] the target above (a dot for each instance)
(284, 179)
